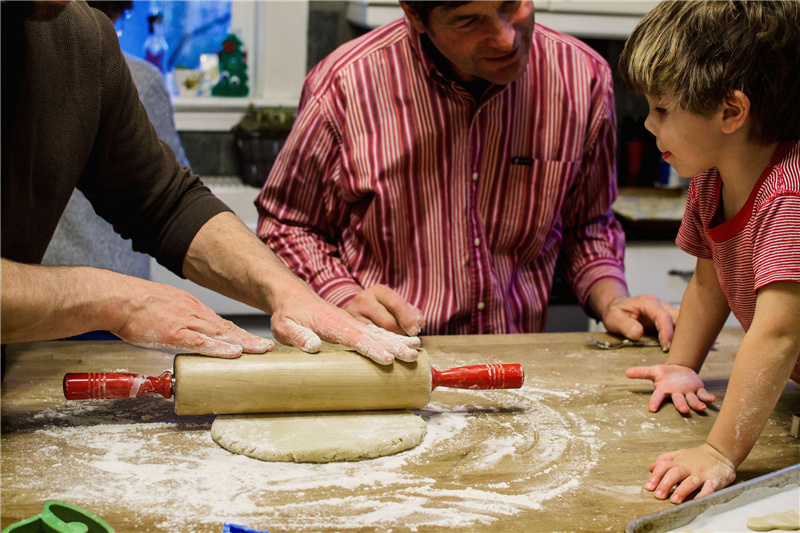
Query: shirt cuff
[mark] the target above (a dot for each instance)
(586, 279)
(339, 291)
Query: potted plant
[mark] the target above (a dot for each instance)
(260, 135)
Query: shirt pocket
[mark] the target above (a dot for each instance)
(527, 205)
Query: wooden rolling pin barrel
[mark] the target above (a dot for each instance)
(292, 382)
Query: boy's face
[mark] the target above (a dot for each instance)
(687, 141)
(486, 40)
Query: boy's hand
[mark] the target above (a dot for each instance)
(680, 383)
(693, 468)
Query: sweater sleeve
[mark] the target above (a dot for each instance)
(132, 178)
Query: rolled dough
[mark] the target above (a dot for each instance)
(319, 437)
(788, 520)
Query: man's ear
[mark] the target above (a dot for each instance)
(735, 111)
(415, 21)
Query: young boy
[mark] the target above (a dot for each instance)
(721, 79)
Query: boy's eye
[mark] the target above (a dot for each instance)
(660, 110)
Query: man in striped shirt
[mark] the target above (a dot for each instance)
(439, 167)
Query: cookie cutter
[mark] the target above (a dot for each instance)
(60, 517)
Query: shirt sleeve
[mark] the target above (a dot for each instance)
(132, 178)
(594, 244)
(297, 201)
(691, 235)
(776, 246)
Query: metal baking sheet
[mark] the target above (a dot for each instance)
(757, 489)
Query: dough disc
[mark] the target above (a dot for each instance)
(319, 437)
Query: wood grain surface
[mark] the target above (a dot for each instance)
(567, 452)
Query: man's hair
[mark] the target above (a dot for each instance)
(423, 9)
(696, 53)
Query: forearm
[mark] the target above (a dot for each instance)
(41, 303)
(763, 365)
(227, 258)
(704, 310)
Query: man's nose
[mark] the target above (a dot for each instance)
(504, 34)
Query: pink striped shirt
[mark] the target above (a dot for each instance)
(760, 244)
(394, 174)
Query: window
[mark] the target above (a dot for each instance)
(274, 33)
(189, 29)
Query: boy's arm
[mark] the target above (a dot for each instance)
(763, 364)
(704, 309)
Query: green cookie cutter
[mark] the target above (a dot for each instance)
(59, 517)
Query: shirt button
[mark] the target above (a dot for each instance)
(481, 306)
(474, 176)
(477, 242)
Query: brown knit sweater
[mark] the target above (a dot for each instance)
(71, 118)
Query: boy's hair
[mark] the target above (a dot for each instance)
(696, 53)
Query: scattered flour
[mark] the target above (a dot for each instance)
(138, 455)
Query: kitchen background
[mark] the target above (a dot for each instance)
(282, 40)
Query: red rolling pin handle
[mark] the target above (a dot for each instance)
(115, 385)
(479, 377)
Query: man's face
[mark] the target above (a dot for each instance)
(486, 40)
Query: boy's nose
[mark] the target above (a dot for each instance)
(648, 124)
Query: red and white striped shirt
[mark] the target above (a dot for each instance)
(760, 244)
(394, 174)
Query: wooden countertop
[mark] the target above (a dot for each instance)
(568, 452)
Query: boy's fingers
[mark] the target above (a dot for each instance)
(687, 486)
(673, 476)
(695, 403)
(680, 403)
(706, 396)
(656, 400)
(641, 372)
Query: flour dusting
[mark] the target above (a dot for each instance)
(513, 449)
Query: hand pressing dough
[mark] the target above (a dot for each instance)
(319, 437)
(788, 520)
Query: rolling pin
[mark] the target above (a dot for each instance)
(279, 382)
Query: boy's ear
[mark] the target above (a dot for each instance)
(735, 111)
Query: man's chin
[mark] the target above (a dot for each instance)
(505, 76)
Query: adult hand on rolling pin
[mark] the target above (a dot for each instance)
(305, 319)
(160, 316)
(382, 306)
